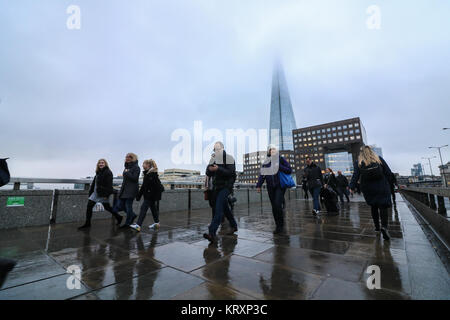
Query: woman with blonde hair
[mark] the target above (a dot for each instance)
(374, 174)
(151, 190)
(99, 192)
(129, 188)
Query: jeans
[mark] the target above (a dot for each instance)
(341, 192)
(316, 194)
(127, 206)
(221, 208)
(152, 204)
(276, 196)
(377, 213)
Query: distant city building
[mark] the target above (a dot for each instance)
(281, 114)
(377, 150)
(445, 174)
(417, 170)
(339, 161)
(335, 145)
(254, 160)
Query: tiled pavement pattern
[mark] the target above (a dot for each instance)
(319, 258)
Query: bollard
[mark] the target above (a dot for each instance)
(441, 206)
(432, 201)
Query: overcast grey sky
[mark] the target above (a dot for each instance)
(138, 70)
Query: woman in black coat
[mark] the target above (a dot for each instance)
(129, 189)
(374, 174)
(151, 191)
(329, 179)
(99, 192)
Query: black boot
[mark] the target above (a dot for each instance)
(119, 219)
(85, 226)
(385, 234)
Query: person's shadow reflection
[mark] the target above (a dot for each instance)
(282, 285)
(145, 264)
(92, 257)
(389, 268)
(123, 266)
(219, 271)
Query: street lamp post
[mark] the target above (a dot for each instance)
(429, 162)
(442, 163)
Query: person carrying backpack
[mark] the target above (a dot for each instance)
(374, 175)
(151, 190)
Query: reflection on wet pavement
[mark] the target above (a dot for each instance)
(318, 258)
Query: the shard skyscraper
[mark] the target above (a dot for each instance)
(282, 120)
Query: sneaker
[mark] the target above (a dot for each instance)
(154, 226)
(232, 231)
(136, 227)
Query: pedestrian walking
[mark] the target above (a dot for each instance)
(393, 184)
(329, 179)
(222, 170)
(342, 187)
(100, 190)
(374, 174)
(314, 179)
(305, 187)
(274, 188)
(129, 189)
(151, 190)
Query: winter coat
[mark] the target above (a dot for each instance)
(104, 181)
(151, 187)
(225, 176)
(273, 181)
(330, 179)
(313, 176)
(377, 192)
(341, 181)
(130, 184)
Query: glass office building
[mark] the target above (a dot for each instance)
(282, 120)
(339, 161)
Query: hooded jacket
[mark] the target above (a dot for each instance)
(273, 181)
(150, 188)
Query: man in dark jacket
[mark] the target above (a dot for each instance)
(314, 181)
(342, 186)
(222, 169)
(393, 183)
(129, 189)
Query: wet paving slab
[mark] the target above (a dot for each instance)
(165, 283)
(54, 288)
(318, 258)
(259, 279)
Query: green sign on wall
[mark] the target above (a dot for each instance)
(15, 202)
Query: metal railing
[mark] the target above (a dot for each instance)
(429, 195)
(17, 182)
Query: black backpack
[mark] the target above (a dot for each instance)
(372, 172)
(4, 173)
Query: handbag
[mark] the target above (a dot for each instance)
(286, 180)
(98, 207)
